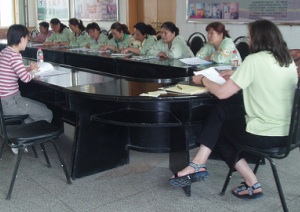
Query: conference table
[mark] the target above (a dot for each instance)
(100, 96)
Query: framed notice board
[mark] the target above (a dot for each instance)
(243, 11)
(48, 9)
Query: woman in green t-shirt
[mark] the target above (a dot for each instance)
(268, 78)
(60, 36)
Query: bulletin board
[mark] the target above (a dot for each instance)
(100, 10)
(243, 11)
(48, 9)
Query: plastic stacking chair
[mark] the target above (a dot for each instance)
(242, 46)
(277, 152)
(196, 41)
(26, 135)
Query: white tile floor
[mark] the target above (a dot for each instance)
(139, 186)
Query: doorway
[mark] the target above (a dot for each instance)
(152, 12)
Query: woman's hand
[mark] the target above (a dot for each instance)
(108, 47)
(124, 51)
(226, 74)
(163, 55)
(198, 79)
(87, 46)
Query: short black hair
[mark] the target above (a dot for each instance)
(93, 25)
(15, 33)
(44, 24)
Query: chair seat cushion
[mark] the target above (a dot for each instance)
(272, 152)
(27, 133)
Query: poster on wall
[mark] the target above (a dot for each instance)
(243, 11)
(101, 10)
(48, 9)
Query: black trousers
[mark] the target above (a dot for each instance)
(226, 127)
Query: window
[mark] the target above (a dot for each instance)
(7, 13)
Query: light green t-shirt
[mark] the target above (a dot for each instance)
(178, 49)
(268, 92)
(222, 55)
(79, 41)
(64, 36)
(147, 44)
(126, 42)
(96, 44)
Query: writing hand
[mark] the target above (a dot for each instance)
(197, 79)
(226, 74)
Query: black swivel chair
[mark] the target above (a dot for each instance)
(196, 41)
(242, 46)
(26, 135)
(275, 153)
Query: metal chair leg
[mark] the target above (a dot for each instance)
(63, 164)
(278, 184)
(20, 154)
(34, 152)
(229, 175)
(46, 156)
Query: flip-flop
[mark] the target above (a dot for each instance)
(188, 179)
(250, 190)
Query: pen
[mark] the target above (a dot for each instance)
(179, 87)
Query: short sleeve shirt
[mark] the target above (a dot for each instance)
(268, 92)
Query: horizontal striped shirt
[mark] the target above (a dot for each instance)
(11, 70)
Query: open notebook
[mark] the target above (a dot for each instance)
(186, 89)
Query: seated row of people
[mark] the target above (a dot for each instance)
(219, 48)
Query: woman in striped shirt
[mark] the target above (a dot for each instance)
(12, 69)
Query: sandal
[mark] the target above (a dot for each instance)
(190, 178)
(250, 189)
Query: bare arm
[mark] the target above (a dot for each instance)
(221, 91)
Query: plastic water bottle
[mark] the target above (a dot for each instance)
(234, 60)
(40, 55)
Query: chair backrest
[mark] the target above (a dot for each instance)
(294, 132)
(104, 32)
(158, 35)
(242, 46)
(196, 41)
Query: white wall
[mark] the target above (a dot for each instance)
(290, 33)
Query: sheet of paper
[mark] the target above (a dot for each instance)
(44, 66)
(154, 93)
(120, 55)
(195, 61)
(211, 74)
